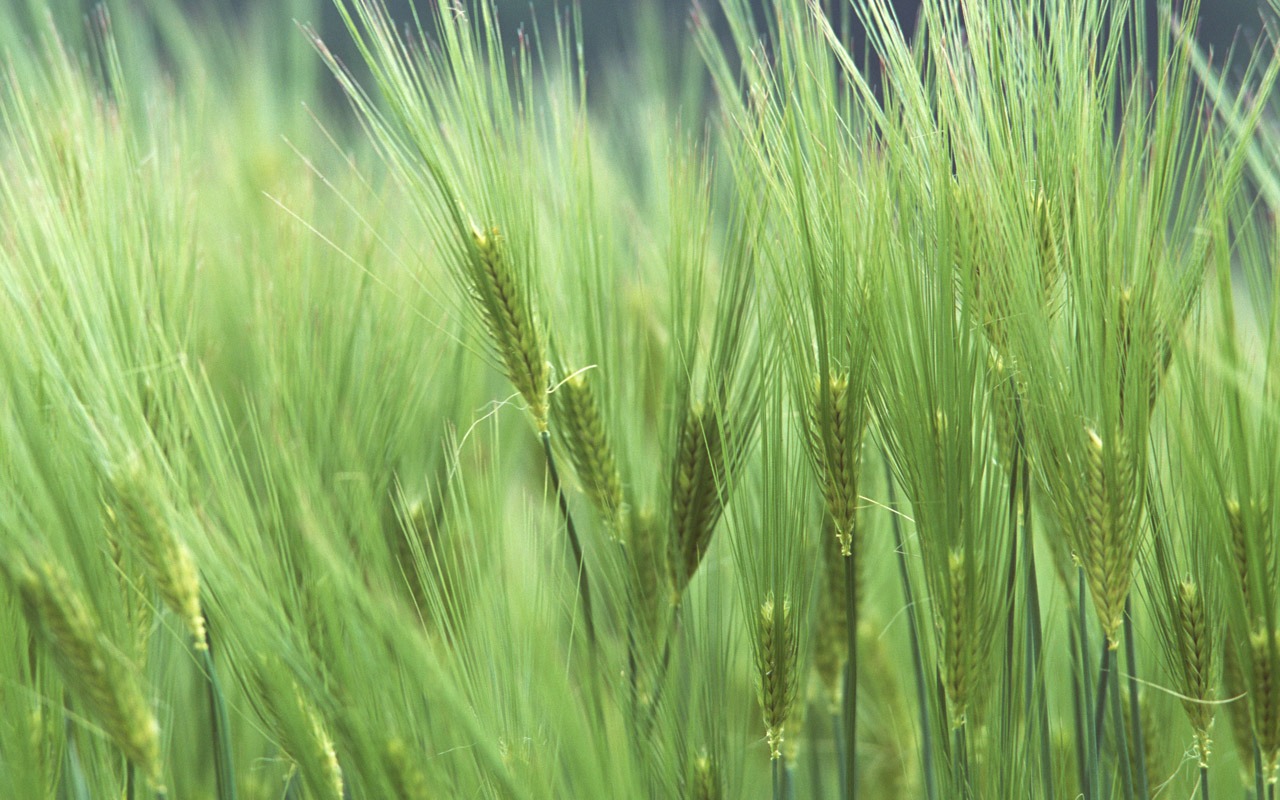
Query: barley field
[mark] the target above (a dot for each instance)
(421, 409)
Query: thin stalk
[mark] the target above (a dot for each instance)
(778, 790)
(1204, 782)
(1077, 708)
(219, 722)
(838, 733)
(1091, 733)
(1258, 780)
(130, 777)
(849, 768)
(1104, 685)
(815, 762)
(1011, 582)
(1122, 739)
(917, 661)
(583, 581)
(960, 761)
(1135, 716)
(1035, 640)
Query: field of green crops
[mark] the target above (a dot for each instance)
(759, 415)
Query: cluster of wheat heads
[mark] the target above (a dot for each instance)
(736, 425)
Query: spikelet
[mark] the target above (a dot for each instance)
(1110, 535)
(92, 668)
(508, 314)
(959, 640)
(695, 497)
(579, 419)
(167, 559)
(1245, 528)
(777, 656)
(831, 631)
(836, 430)
(1196, 650)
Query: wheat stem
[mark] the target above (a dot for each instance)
(583, 581)
(1131, 658)
(223, 762)
(849, 769)
(917, 661)
(1122, 739)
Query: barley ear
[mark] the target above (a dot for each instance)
(695, 494)
(1196, 649)
(92, 668)
(777, 657)
(1264, 645)
(508, 314)
(579, 420)
(167, 559)
(959, 638)
(1108, 541)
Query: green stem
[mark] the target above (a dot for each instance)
(575, 544)
(1094, 786)
(776, 765)
(219, 722)
(1077, 708)
(1204, 782)
(849, 770)
(1035, 641)
(838, 734)
(1122, 739)
(917, 661)
(960, 761)
(1143, 786)
(1258, 780)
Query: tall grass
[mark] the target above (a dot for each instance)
(765, 426)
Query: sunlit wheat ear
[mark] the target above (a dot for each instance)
(837, 422)
(1197, 653)
(777, 656)
(579, 420)
(831, 628)
(1264, 696)
(695, 495)
(508, 314)
(1109, 540)
(167, 559)
(960, 639)
(95, 672)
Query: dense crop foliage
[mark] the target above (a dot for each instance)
(766, 426)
